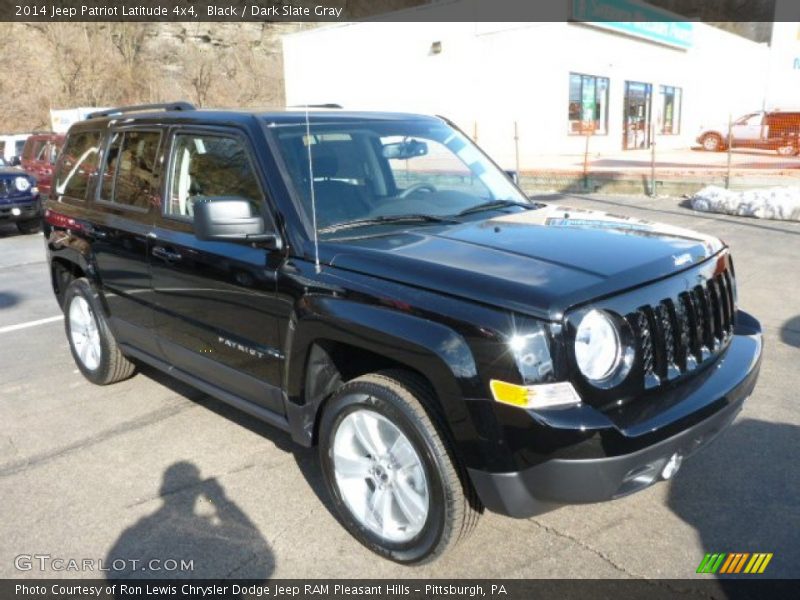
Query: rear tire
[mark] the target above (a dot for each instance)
(28, 226)
(91, 342)
(712, 142)
(426, 502)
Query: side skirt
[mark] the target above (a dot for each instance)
(259, 412)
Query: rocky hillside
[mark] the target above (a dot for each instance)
(62, 65)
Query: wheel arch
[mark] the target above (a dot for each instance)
(71, 258)
(62, 273)
(331, 341)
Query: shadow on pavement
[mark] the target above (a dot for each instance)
(740, 495)
(790, 332)
(8, 299)
(196, 522)
(305, 458)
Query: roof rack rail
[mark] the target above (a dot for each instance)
(168, 106)
(326, 105)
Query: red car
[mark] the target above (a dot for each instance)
(38, 157)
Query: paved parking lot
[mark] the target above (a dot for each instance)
(150, 468)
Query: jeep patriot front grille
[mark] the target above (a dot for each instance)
(678, 334)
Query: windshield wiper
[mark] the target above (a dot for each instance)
(491, 204)
(382, 220)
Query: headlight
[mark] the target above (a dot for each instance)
(22, 184)
(599, 351)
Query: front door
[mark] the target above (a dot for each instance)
(636, 115)
(216, 301)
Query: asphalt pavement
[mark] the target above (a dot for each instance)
(152, 469)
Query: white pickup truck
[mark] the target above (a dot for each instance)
(774, 130)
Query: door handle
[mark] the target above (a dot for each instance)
(164, 254)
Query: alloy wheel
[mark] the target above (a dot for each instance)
(380, 476)
(84, 333)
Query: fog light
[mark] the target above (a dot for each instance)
(16, 212)
(672, 466)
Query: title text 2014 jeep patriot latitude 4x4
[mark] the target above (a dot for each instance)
(376, 286)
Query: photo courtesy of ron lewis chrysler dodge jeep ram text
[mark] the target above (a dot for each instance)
(376, 286)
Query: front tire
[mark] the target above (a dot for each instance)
(91, 342)
(30, 225)
(395, 484)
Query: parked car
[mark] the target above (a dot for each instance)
(39, 157)
(19, 200)
(773, 130)
(373, 284)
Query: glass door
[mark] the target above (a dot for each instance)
(636, 117)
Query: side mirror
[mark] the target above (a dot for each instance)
(15, 161)
(231, 219)
(513, 176)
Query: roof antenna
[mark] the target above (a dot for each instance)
(317, 267)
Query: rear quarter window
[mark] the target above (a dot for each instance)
(78, 162)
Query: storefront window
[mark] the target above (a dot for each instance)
(588, 103)
(670, 110)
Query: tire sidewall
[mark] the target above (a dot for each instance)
(363, 395)
(717, 145)
(82, 288)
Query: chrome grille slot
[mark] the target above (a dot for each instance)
(716, 310)
(645, 337)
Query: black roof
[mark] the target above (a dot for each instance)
(245, 116)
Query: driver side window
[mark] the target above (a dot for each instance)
(204, 166)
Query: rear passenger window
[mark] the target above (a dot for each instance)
(79, 161)
(209, 166)
(130, 176)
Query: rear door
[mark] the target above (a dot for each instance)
(123, 214)
(217, 304)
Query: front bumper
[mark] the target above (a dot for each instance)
(560, 481)
(20, 208)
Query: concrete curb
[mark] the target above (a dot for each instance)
(670, 183)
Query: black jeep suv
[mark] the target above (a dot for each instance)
(376, 286)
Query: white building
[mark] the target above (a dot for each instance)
(783, 85)
(623, 79)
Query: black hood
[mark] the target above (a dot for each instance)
(540, 262)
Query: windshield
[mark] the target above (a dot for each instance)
(366, 173)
